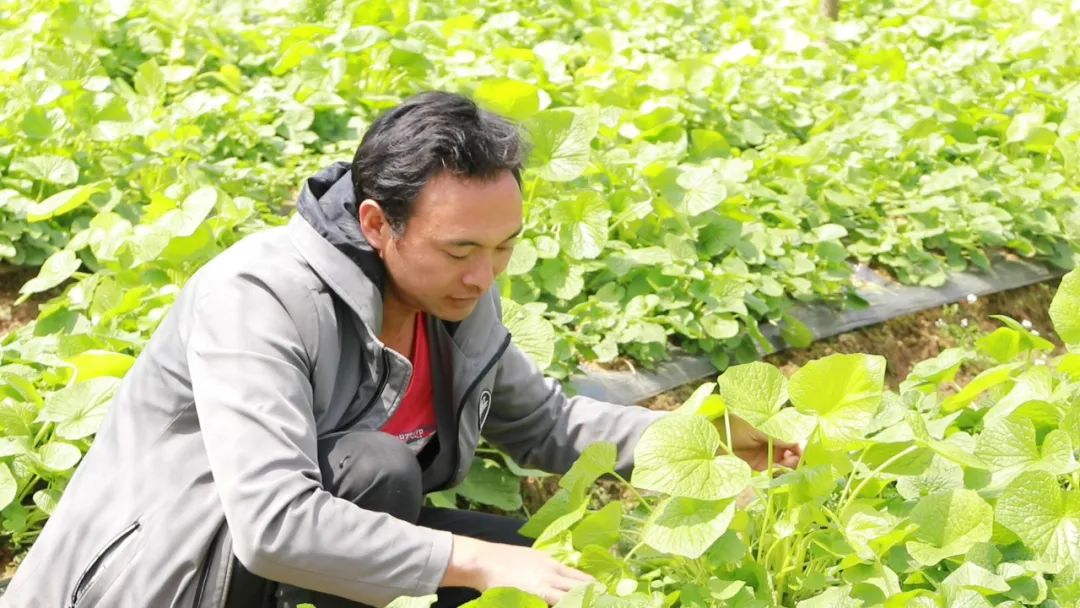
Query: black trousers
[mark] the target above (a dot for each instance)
(377, 472)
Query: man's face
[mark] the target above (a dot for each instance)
(459, 238)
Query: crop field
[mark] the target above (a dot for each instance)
(697, 168)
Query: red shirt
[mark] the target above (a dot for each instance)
(414, 420)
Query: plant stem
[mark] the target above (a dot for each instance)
(633, 491)
(874, 474)
(629, 554)
(727, 430)
(767, 524)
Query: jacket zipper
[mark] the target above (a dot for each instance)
(86, 579)
(204, 571)
(384, 377)
(465, 397)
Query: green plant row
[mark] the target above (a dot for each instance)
(939, 494)
(696, 166)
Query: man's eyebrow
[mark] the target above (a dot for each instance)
(468, 243)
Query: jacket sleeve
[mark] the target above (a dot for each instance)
(533, 420)
(250, 375)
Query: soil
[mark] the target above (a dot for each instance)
(12, 316)
(904, 341)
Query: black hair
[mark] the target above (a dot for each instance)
(428, 134)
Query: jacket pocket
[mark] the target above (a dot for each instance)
(102, 569)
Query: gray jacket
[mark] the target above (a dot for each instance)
(268, 347)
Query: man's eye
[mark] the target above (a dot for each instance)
(456, 257)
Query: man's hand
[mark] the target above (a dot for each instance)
(482, 565)
(752, 445)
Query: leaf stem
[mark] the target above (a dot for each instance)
(633, 490)
(768, 511)
(873, 474)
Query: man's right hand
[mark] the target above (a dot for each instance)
(482, 565)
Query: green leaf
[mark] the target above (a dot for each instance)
(1065, 309)
(950, 523)
(687, 527)
(789, 425)
(92, 364)
(1008, 445)
(488, 483)
(108, 234)
(511, 98)
(978, 385)
(1024, 124)
(703, 402)
(8, 486)
(601, 528)
(63, 202)
(59, 456)
(835, 597)
(561, 143)
(57, 269)
(595, 460)
(506, 597)
(149, 80)
(48, 168)
(976, 578)
(561, 504)
(523, 259)
(676, 455)
(532, 333)
(1044, 516)
(719, 327)
(583, 224)
(191, 214)
(1003, 345)
(79, 409)
(844, 391)
(754, 392)
(703, 190)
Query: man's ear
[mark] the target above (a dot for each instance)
(374, 224)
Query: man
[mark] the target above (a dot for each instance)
(273, 443)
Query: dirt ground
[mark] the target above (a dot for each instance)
(11, 316)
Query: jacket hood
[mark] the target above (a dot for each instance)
(327, 202)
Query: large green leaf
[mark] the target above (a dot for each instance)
(8, 486)
(844, 391)
(532, 333)
(754, 392)
(63, 202)
(561, 143)
(596, 460)
(57, 269)
(676, 455)
(490, 484)
(1009, 447)
(49, 168)
(506, 597)
(687, 527)
(1045, 516)
(513, 98)
(79, 409)
(1065, 309)
(949, 524)
(583, 224)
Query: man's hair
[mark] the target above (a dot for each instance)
(429, 134)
